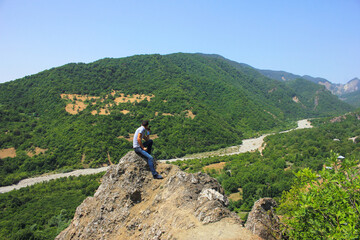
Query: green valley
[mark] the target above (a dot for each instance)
(83, 115)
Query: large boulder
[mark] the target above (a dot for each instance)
(130, 204)
(262, 221)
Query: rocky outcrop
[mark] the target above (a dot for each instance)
(130, 204)
(262, 221)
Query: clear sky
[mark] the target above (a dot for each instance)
(320, 38)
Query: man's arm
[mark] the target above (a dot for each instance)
(140, 142)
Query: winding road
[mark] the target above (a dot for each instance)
(246, 146)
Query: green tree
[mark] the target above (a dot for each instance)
(324, 205)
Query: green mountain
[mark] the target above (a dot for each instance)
(82, 115)
(314, 96)
(348, 92)
(352, 98)
(285, 76)
(306, 89)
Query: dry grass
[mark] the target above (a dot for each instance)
(217, 166)
(236, 196)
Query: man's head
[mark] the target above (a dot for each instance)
(145, 123)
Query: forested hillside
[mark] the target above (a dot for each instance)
(316, 97)
(267, 174)
(83, 115)
(348, 92)
(352, 98)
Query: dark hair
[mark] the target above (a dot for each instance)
(145, 123)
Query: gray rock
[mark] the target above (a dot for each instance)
(262, 221)
(130, 204)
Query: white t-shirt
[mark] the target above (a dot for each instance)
(141, 130)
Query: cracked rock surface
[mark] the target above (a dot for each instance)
(130, 204)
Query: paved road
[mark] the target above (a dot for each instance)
(246, 146)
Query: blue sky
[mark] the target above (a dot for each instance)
(320, 38)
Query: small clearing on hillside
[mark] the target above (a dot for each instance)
(8, 152)
(217, 166)
(296, 99)
(190, 114)
(236, 196)
(35, 152)
(78, 104)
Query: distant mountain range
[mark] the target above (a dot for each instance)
(349, 92)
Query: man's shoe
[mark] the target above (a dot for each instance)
(158, 176)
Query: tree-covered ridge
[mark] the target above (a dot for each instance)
(316, 97)
(229, 103)
(42, 211)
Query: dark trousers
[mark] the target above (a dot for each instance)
(148, 145)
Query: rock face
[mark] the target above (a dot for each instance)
(262, 221)
(130, 204)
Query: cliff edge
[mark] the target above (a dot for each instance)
(130, 204)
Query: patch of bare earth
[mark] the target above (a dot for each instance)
(130, 138)
(270, 114)
(75, 108)
(353, 139)
(217, 166)
(78, 102)
(188, 113)
(236, 196)
(36, 151)
(338, 119)
(272, 90)
(168, 114)
(132, 98)
(8, 152)
(296, 99)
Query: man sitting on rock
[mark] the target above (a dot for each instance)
(144, 149)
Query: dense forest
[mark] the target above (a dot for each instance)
(272, 173)
(269, 173)
(42, 211)
(83, 115)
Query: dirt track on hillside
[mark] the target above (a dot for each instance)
(248, 145)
